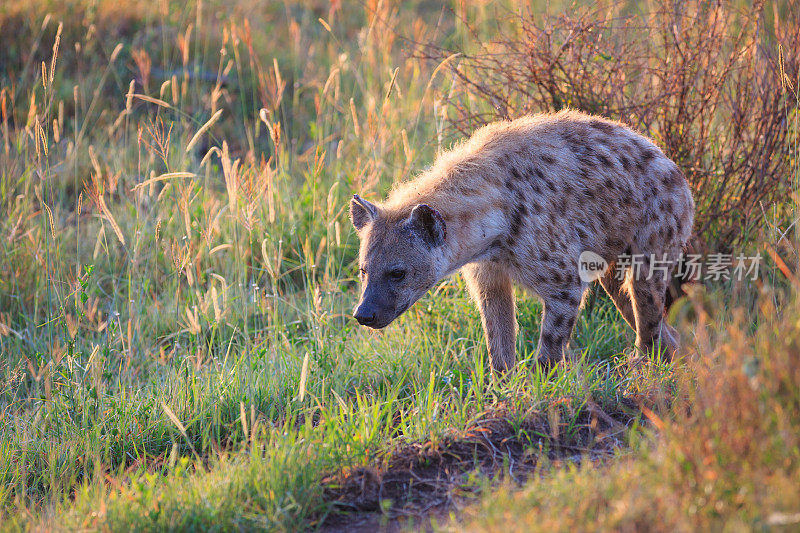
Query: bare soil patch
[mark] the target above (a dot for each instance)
(418, 484)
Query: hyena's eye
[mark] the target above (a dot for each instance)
(362, 272)
(397, 274)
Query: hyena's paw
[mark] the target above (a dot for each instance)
(548, 362)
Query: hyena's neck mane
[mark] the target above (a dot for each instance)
(460, 187)
(469, 178)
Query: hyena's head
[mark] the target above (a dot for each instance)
(399, 260)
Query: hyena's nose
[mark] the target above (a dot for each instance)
(365, 315)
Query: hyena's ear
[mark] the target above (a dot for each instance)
(362, 212)
(428, 223)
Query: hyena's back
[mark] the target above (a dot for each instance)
(575, 182)
(587, 182)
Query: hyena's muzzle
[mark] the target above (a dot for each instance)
(378, 307)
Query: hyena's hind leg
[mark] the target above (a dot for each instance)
(618, 291)
(491, 288)
(648, 296)
(561, 310)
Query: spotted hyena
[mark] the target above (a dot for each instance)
(519, 202)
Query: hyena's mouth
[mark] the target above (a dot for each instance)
(382, 322)
(400, 310)
(403, 309)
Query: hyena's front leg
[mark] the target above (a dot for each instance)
(560, 312)
(491, 288)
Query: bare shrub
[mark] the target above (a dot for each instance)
(701, 78)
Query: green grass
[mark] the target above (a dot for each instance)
(176, 347)
(241, 429)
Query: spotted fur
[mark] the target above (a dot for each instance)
(517, 203)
